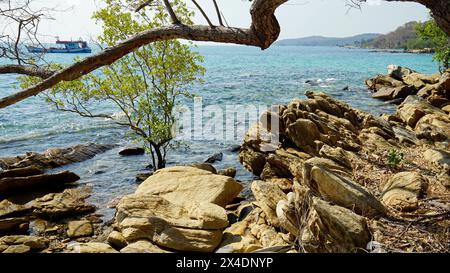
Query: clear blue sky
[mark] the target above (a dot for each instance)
(298, 18)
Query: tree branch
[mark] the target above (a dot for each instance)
(26, 70)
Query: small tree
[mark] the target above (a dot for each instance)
(430, 31)
(144, 86)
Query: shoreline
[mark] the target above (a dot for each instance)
(325, 146)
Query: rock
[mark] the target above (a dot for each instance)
(117, 240)
(342, 191)
(183, 184)
(438, 157)
(188, 227)
(288, 216)
(334, 229)
(235, 148)
(53, 206)
(81, 228)
(446, 109)
(230, 172)
(205, 166)
(434, 127)
(57, 205)
(398, 72)
(392, 93)
(14, 184)
(403, 190)
(91, 247)
(22, 243)
(56, 157)
(346, 88)
(141, 177)
(268, 195)
(252, 160)
(238, 244)
(414, 108)
(214, 158)
(13, 225)
(414, 80)
(142, 246)
(20, 172)
(132, 151)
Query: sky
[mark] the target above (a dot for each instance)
(298, 18)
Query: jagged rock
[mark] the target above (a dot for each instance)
(252, 160)
(81, 228)
(230, 172)
(91, 247)
(132, 151)
(117, 240)
(141, 177)
(214, 158)
(184, 184)
(142, 246)
(15, 184)
(188, 227)
(22, 243)
(342, 191)
(334, 229)
(381, 81)
(446, 109)
(403, 190)
(268, 195)
(20, 172)
(55, 157)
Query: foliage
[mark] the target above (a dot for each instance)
(395, 158)
(144, 86)
(430, 31)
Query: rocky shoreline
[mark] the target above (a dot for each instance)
(338, 180)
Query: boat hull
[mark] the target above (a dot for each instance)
(32, 49)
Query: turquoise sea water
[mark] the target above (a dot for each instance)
(235, 75)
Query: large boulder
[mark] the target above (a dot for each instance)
(403, 190)
(82, 228)
(342, 191)
(414, 108)
(184, 184)
(188, 227)
(332, 229)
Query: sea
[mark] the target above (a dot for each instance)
(235, 75)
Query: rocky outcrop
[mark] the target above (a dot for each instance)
(402, 82)
(334, 169)
(9, 185)
(81, 228)
(56, 157)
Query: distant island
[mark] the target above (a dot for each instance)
(329, 41)
(403, 39)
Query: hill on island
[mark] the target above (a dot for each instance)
(329, 41)
(404, 37)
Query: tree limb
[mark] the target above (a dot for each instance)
(26, 70)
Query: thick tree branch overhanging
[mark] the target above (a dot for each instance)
(26, 70)
(263, 32)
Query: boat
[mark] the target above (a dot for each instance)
(78, 46)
